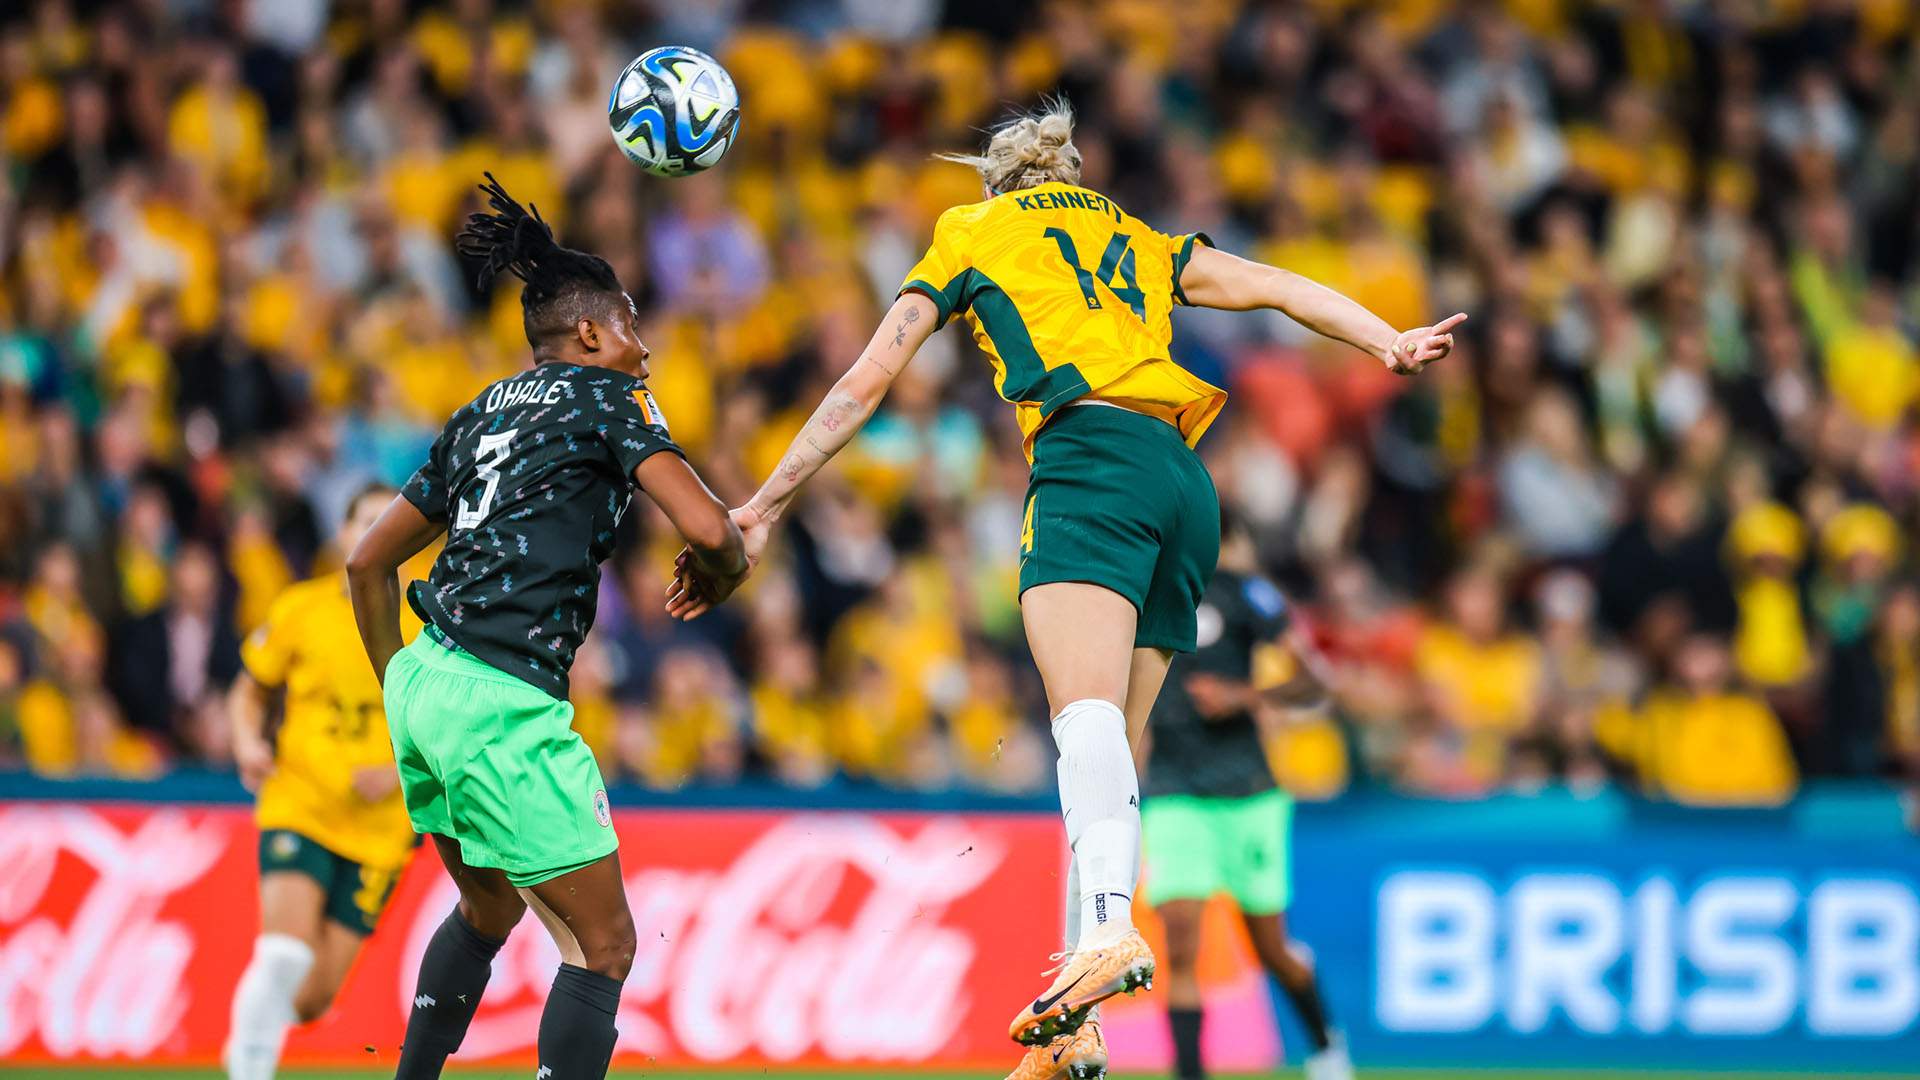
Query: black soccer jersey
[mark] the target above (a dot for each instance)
(1220, 757)
(532, 478)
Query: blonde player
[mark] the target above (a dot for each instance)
(1071, 299)
(334, 834)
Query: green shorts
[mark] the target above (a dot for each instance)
(356, 894)
(1119, 500)
(494, 763)
(1196, 846)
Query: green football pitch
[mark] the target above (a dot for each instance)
(486, 1073)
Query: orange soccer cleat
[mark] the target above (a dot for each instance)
(1087, 977)
(1079, 1056)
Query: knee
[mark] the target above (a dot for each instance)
(1183, 942)
(312, 1003)
(494, 917)
(609, 950)
(1182, 958)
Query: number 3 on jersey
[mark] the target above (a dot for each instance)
(491, 454)
(1116, 266)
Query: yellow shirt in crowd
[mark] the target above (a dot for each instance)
(1492, 687)
(1717, 749)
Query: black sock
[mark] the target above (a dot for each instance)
(576, 1030)
(1313, 1011)
(1186, 1043)
(453, 973)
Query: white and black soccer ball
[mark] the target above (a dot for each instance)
(674, 111)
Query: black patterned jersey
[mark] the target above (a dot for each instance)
(532, 478)
(1218, 757)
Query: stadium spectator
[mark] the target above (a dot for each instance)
(1482, 683)
(1700, 739)
(175, 660)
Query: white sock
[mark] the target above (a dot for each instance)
(1073, 915)
(1073, 903)
(1100, 803)
(263, 1006)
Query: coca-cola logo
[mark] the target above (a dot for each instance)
(826, 935)
(104, 976)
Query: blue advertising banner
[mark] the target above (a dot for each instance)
(1554, 930)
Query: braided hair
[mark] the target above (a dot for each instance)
(563, 286)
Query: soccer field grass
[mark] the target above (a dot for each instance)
(500, 1073)
(491, 1072)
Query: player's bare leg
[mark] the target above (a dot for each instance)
(1081, 637)
(456, 964)
(1181, 920)
(586, 912)
(333, 957)
(1145, 676)
(1291, 963)
(291, 915)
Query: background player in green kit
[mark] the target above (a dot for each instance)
(1213, 819)
(529, 482)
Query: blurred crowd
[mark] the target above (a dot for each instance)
(1647, 527)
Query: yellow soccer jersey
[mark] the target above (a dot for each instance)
(1070, 298)
(335, 725)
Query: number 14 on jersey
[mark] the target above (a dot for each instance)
(1115, 272)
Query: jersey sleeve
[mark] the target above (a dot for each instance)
(1182, 248)
(940, 272)
(427, 488)
(268, 651)
(637, 429)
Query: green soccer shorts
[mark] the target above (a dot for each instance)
(494, 763)
(1196, 846)
(1120, 500)
(355, 894)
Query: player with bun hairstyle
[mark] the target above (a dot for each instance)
(528, 481)
(1071, 300)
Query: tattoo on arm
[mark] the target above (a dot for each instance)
(836, 411)
(823, 435)
(900, 331)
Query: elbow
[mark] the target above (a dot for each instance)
(858, 393)
(363, 566)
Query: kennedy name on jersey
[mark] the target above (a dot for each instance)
(505, 395)
(1068, 200)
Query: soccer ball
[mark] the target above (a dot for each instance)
(674, 111)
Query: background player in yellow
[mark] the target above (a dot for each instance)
(1070, 298)
(334, 833)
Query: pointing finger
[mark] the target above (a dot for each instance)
(1450, 322)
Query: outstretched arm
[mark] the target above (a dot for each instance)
(373, 581)
(1217, 279)
(845, 410)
